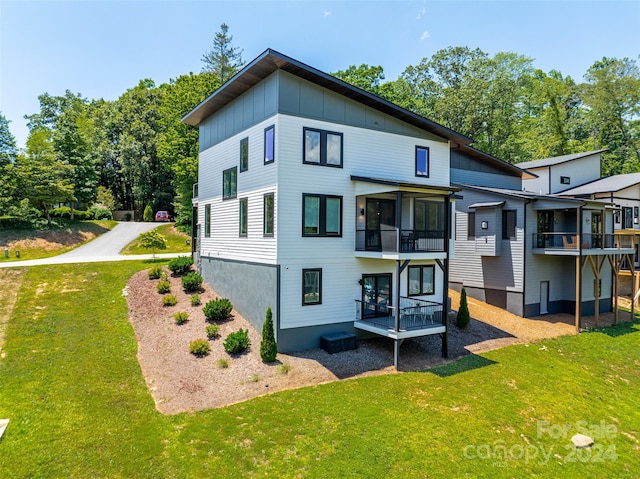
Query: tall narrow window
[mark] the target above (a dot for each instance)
(230, 183)
(207, 221)
(421, 280)
(311, 286)
(322, 147)
(321, 215)
(471, 225)
(244, 204)
(269, 145)
(509, 224)
(422, 161)
(244, 154)
(268, 214)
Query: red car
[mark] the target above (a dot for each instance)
(162, 216)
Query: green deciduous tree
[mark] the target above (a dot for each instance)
(8, 148)
(153, 240)
(366, 77)
(223, 60)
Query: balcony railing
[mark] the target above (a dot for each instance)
(584, 241)
(414, 314)
(409, 241)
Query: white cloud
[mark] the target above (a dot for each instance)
(421, 13)
(424, 35)
(326, 13)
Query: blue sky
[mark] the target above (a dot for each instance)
(102, 48)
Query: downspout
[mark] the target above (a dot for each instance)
(579, 272)
(549, 179)
(524, 258)
(445, 275)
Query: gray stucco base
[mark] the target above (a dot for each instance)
(251, 287)
(509, 300)
(569, 307)
(299, 339)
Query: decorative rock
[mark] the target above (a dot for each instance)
(580, 441)
(3, 425)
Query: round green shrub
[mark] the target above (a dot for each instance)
(163, 286)
(181, 317)
(196, 300)
(100, 213)
(169, 300)
(217, 309)
(180, 265)
(192, 282)
(213, 331)
(155, 272)
(237, 342)
(199, 347)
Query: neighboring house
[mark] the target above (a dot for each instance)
(326, 203)
(528, 252)
(559, 173)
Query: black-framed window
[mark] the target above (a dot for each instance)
(322, 147)
(207, 221)
(509, 224)
(268, 226)
(311, 286)
(428, 218)
(422, 161)
(270, 144)
(616, 216)
(471, 225)
(321, 215)
(244, 154)
(244, 216)
(421, 280)
(565, 180)
(230, 183)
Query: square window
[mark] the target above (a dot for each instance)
(311, 286)
(269, 145)
(322, 147)
(268, 214)
(422, 161)
(321, 215)
(421, 280)
(244, 154)
(230, 183)
(244, 211)
(207, 221)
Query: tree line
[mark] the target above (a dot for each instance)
(134, 151)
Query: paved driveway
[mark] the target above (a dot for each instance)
(105, 247)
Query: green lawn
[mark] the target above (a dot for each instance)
(35, 244)
(176, 242)
(79, 407)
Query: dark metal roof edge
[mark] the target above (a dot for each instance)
(400, 183)
(546, 165)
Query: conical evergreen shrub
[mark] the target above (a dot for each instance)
(268, 346)
(462, 320)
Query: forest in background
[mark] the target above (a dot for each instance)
(134, 151)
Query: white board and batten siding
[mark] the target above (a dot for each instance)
(365, 153)
(253, 184)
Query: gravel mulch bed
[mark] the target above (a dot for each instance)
(180, 381)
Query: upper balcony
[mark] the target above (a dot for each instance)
(573, 244)
(392, 240)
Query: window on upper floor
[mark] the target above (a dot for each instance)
(230, 183)
(244, 212)
(565, 180)
(509, 224)
(207, 221)
(311, 286)
(429, 219)
(321, 215)
(270, 144)
(421, 280)
(471, 225)
(268, 227)
(422, 161)
(322, 147)
(244, 154)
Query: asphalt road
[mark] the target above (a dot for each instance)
(105, 247)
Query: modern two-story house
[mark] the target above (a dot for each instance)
(324, 202)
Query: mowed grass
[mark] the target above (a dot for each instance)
(35, 244)
(176, 242)
(79, 406)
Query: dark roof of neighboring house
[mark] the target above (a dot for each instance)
(556, 160)
(496, 162)
(270, 60)
(517, 194)
(605, 185)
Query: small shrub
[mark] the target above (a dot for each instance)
(181, 317)
(268, 346)
(169, 300)
(147, 216)
(155, 272)
(213, 331)
(222, 363)
(191, 282)
(217, 309)
(254, 378)
(196, 300)
(163, 286)
(284, 369)
(100, 213)
(463, 318)
(180, 265)
(237, 342)
(199, 347)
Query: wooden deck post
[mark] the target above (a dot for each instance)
(578, 291)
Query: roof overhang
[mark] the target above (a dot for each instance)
(489, 204)
(382, 185)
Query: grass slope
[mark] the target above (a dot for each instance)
(79, 407)
(176, 242)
